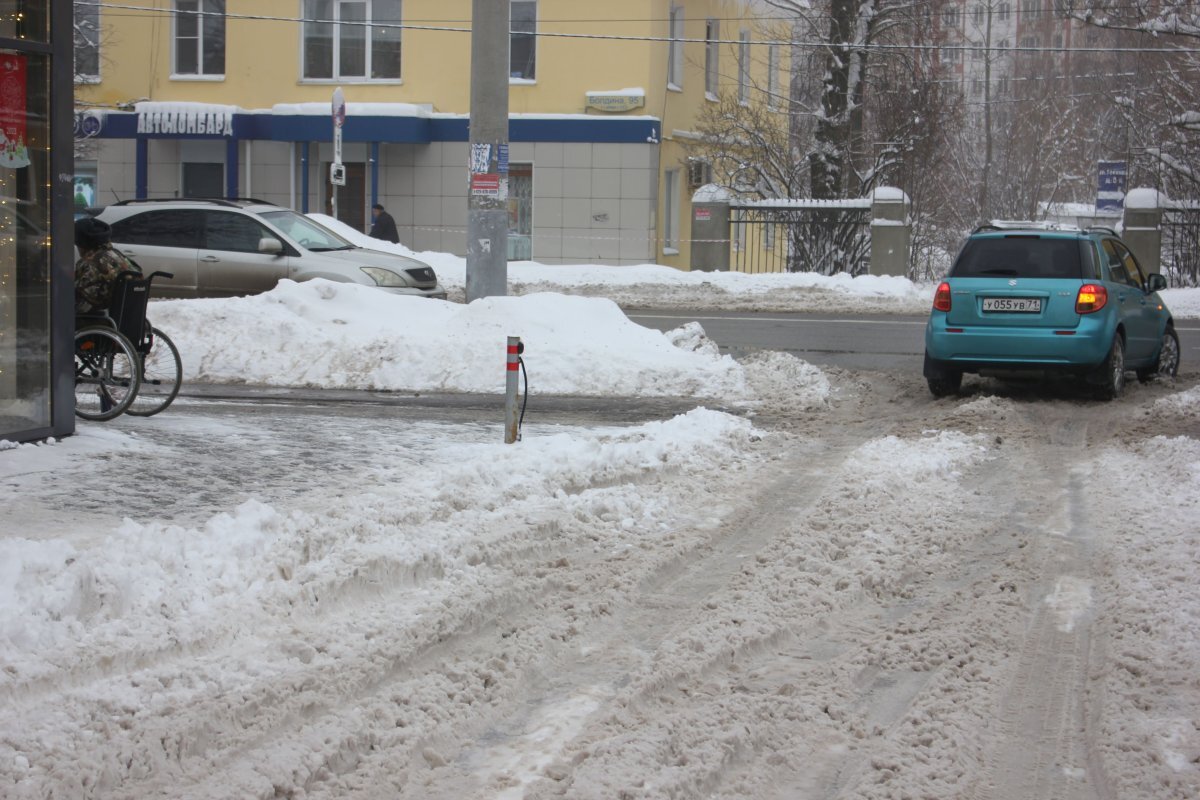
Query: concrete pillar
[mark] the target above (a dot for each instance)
(1142, 227)
(710, 229)
(891, 232)
(487, 200)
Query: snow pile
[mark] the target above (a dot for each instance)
(1184, 303)
(1185, 403)
(337, 335)
(783, 382)
(63, 602)
(1149, 716)
(654, 286)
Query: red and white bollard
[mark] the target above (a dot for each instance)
(511, 384)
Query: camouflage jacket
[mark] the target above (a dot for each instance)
(95, 275)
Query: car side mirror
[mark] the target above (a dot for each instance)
(1155, 283)
(269, 245)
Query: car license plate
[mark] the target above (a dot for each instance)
(1019, 305)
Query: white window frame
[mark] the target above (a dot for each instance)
(523, 79)
(712, 58)
(773, 77)
(744, 67)
(675, 50)
(336, 48)
(89, 11)
(200, 74)
(671, 205)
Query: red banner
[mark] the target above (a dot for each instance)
(13, 151)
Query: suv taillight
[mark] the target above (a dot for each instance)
(941, 298)
(1091, 298)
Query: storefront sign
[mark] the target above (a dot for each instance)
(217, 123)
(13, 152)
(615, 103)
(703, 214)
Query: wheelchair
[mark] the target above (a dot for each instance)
(123, 364)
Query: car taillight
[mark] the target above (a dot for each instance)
(941, 298)
(1091, 298)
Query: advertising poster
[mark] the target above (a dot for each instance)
(13, 152)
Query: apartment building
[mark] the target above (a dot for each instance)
(233, 97)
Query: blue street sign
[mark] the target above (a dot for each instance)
(1110, 188)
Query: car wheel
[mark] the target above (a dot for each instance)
(1167, 365)
(1112, 371)
(943, 382)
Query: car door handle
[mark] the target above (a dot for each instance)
(210, 259)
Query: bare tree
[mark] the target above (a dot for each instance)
(1161, 110)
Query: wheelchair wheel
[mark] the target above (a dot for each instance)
(162, 375)
(107, 373)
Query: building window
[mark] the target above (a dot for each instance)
(522, 48)
(1031, 8)
(978, 16)
(1029, 42)
(699, 173)
(87, 42)
(744, 67)
(670, 226)
(1002, 12)
(950, 17)
(712, 57)
(352, 39)
(199, 37)
(675, 50)
(773, 77)
(520, 212)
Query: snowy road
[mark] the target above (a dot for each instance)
(989, 597)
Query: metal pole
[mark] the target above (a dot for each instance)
(511, 385)
(487, 199)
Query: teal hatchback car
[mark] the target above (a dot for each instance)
(1028, 298)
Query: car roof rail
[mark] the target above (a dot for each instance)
(250, 201)
(214, 200)
(1025, 225)
(233, 202)
(1102, 229)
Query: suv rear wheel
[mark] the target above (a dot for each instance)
(1111, 372)
(943, 381)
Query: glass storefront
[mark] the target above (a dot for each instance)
(25, 19)
(25, 177)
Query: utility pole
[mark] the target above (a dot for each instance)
(985, 189)
(487, 201)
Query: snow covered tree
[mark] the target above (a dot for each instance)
(1161, 109)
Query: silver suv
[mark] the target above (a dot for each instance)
(221, 248)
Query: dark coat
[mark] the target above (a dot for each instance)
(95, 275)
(384, 227)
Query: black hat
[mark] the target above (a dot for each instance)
(91, 233)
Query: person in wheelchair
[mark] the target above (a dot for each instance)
(98, 267)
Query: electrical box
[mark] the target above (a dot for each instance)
(337, 174)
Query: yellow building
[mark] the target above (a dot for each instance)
(233, 98)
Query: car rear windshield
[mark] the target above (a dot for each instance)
(1019, 256)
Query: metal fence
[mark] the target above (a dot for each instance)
(801, 236)
(1181, 243)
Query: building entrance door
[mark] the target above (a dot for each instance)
(352, 198)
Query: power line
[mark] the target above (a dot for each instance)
(848, 46)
